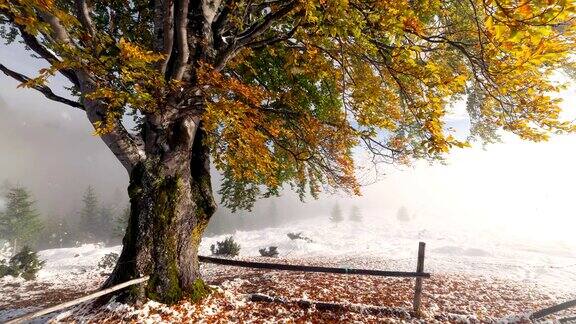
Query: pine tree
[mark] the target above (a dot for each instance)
(117, 198)
(355, 214)
(89, 216)
(336, 215)
(49, 238)
(56, 233)
(64, 235)
(19, 223)
(105, 220)
(402, 214)
(120, 224)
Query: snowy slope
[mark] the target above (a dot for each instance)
(375, 243)
(62, 264)
(389, 244)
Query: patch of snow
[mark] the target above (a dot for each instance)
(5, 250)
(448, 250)
(63, 263)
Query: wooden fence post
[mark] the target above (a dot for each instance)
(419, 269)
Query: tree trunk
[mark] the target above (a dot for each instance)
(171, 203)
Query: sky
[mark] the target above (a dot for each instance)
(515, 187)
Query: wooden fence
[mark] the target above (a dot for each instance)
(419, 275)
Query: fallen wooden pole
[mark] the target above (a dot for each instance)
(290, 267)
(553, 309)
(80, 300)
(331, 306)
(567, 320)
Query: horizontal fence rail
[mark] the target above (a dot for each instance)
(567, 320)
(301, 268)
(553, 309)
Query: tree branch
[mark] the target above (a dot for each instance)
(46, 91)
(275, 39)
(125, 146)
(181, 33)
(252, 33)
(35, 45)
(46, 54)
(83, 13)
(220, 21)
(257, 29)
(164, 30)
(59, 33)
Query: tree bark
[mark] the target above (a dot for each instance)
(171, 203)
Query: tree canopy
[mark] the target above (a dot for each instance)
(285, 90)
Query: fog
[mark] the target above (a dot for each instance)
(513, 187)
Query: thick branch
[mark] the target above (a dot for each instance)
(46, 91)
(275, 39)
(164, 30)
(252, 33)
(122, 144)
(220, 21)
(125, 146)
(59, 33)
(258, 29)
(35, 45)
(46, 54)
(83, 13)
(181, 32)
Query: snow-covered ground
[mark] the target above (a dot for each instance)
(67, 274)
(543, 269)
(503, 255)
(65, 264)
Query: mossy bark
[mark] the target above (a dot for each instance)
(171, 204)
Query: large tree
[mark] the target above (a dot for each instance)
(279, 92)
